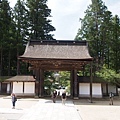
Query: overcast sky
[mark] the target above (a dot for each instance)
(66, 14)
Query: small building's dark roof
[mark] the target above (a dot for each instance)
(3, 78)
(62, 50)
(86, 79)
(21, 78)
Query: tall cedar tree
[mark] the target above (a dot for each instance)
(39, 24)
(115, 45)
(97, 30)
(20, 14)
(17, 25)
(5, 22)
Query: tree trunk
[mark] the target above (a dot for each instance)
(9, 56)
(18, 66)
(1, 53)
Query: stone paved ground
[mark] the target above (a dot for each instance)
(38, 109)
(45, 109)
(98, 110)
(22, 106)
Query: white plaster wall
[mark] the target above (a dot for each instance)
(29, 87)
(96, 89)
(18, 87)
(84, 90)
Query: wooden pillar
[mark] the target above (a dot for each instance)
(107, 89)
(37, 83)
(76, 85)
(23, 87)
(41, 83)
(71, 84)
(117, 90)
(0, 87)
(11, 87)
(91, 79)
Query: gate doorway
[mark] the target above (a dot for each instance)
(56, 80)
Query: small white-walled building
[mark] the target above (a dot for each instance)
(99, 88)
(22, 85)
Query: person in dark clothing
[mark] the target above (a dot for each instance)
(111, 95)
(14, 99)
(54, 96)
(63, 97)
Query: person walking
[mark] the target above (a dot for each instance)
(14, 99)
(111, 95)
(63, 97)
(54, 96)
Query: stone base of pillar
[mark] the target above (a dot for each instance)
(40, 96)
(76, 98)
(90, 101)
(36, 96)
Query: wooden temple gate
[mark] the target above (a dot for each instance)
(57, 56)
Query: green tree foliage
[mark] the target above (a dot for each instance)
(39, 24)
(64, 78)
(20, 15)
(27, 20)
(56, 80)
(5, 23)
(94, 29)
(101, 30)
(114, 44)
(109, 75)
